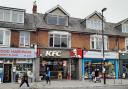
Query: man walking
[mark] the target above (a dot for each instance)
(48, 73)
(24, 80)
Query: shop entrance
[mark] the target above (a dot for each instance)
(58, 68)
(7, 73)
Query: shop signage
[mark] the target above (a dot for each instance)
(17, 53)
(123, 56)
(94, 54)
(53, 53)
(76, 53)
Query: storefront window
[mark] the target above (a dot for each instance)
(56, 66)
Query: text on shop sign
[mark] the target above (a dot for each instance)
(17, 53)
(53, 53)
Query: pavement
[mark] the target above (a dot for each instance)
(64, 84)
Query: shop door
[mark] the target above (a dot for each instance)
(7, 73)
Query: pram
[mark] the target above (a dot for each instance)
(97, 79)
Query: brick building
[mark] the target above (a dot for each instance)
(70, 47)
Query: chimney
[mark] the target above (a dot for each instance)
(34, 9)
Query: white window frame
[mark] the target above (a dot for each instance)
(126, 43)
(61, 33)
(10, 16)
(6, 38)
(23, 35)
(125, 28)
(2, 15)
(95, 37)
(95, 24)
(58, 17)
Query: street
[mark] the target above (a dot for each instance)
(69, 84)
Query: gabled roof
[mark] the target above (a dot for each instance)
(121, 22)
(95, 12)
(58, 7)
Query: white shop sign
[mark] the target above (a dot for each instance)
(17, 53)
(93, 54)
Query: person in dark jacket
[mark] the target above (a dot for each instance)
(48, 74)
(24, 80)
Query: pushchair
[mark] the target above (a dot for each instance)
(97, 79)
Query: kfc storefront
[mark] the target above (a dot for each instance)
(62, 63)
(14, 62)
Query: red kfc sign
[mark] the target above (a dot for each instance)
(76, 53)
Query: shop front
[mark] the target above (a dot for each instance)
(14, 62)
(93, 60)
(60, 62)
(123, 65)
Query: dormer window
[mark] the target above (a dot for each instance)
(94, 24)
(14, 16)
(125, 28)
(57, 20)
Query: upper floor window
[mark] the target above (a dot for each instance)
(11, 16)
(5, 37)
(94, 24)
(59, 39)
(24, 39)
(125, 28)
(57, 20)
(96, 42)
(126, 44)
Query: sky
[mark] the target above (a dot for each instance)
(117, 10)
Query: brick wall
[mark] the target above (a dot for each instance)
(80, 41)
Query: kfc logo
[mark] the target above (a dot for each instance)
(76, 53)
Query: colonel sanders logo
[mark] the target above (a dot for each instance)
(76, 53)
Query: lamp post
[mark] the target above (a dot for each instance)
(104, 9)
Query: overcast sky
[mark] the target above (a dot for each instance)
(117, 10)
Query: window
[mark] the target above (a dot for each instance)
(96, 42)
(1, 15)
(5, 37)
(125, 28)
(59, 39)
(7, 15)
(126, 44)
(12, 16)
(52, 19)
(24, 39)
(94, 24)
(56, 20)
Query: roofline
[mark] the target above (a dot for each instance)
(121, 22)
(8, 8)
(95, 12)
(58, 6)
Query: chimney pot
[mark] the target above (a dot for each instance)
(34, 10)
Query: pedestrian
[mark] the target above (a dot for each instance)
(24, 80)
(48, 74)
(96, 74)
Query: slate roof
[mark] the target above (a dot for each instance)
(33, 21)
(37, 21)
